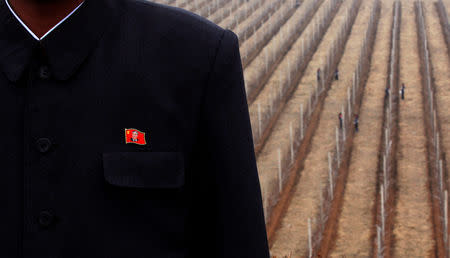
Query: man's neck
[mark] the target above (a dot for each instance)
(41, 15)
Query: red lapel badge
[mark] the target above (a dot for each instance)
(134, 136)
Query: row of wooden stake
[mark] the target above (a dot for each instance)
(258, 19)
(296, 64)
(265, 33)
(354, 94)
(285, 162)
(443, 16)
(217, 12)
(274, 51)
(435, 154)
(390, 124)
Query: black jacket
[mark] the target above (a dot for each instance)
(70, 185)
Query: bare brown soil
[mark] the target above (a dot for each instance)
(269, 89)
(441, 73)
(251, 48)
(292, 236)
(256, 74)
(413, 212)
(287, 194)
(414, 229)
(354, 236)
(228, 10)
(268, 159)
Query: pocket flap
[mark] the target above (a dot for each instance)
(144, 169)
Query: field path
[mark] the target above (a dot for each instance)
(292, 234)
(413, 229)
(267, 160)
(356, 220)
(441, 72)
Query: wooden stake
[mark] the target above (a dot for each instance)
(343, 123)
(309, 238)
(330, 162)
(379, 248)
(266, 55)
(291, 137)
(441, 177)
(330, 178)
(385, 176)
(309, 106)
(338, 155)
(386, 138)
(382, 210)
(259, 120)
(301, 121)
(446, 216)
(349, 104)
(280, 179)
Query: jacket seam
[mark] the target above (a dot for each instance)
(200, 117)
(212, 68)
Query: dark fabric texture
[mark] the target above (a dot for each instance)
(144, 169)
(72, 187)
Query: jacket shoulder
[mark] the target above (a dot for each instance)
(173, 23)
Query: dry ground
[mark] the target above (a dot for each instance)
(279, 76)
(258, 15)
(355, 223)
(413, 229)
(256, 69)
(229, 21)
(248, 47)
(441, 73)
(268, 159)
(292, 233)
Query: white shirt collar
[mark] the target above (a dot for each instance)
(48, 32)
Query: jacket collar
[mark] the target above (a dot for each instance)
(66, 47)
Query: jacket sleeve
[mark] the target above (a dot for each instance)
(229, 173)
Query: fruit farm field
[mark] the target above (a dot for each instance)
(328, 189)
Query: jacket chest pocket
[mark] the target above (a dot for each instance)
(144, 201)
(154, 170)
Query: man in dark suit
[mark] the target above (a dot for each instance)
(74, 70)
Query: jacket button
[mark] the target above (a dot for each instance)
(44, 72)
(46, 218)
(43, 144)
